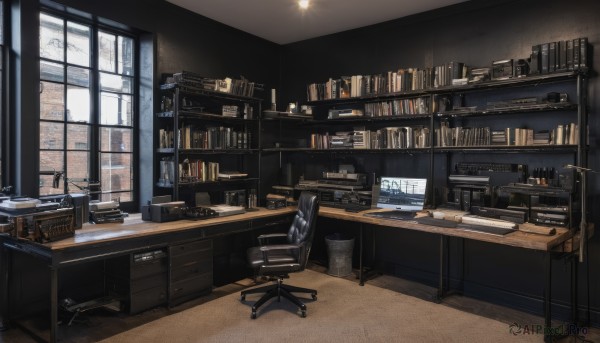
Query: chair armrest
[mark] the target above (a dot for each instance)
(276, 247)
(264, 239)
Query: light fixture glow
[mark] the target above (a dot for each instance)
(303, 4)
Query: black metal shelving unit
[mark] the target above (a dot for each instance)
(578, 150)
(246, 159)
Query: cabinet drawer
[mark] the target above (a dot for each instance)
(158, 280)
(185, 248)
(182, 260)
(201, 283)
(147, 299)
(143, 269)
(192, 269)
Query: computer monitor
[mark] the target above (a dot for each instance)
(402, 193)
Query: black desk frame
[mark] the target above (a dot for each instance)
(443, 259)
(55, 260)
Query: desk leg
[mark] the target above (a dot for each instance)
(547, 296)
(4, 274)
(53, 304)
(440, 292)
(360, 257)
(574, 305)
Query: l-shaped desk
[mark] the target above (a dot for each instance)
(559, 243)
(97, 242)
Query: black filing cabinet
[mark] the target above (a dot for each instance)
(140, 279)
(191, 270)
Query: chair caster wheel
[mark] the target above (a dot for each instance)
(303, 315)
(314, 297)
(253, 315)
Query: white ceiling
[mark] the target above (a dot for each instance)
(282, 21)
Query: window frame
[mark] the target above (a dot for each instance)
(94, 124)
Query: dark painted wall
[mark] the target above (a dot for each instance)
(186, 41)
(475, 33)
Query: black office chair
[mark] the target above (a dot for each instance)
(291, 256)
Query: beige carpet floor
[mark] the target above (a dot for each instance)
(343, 312)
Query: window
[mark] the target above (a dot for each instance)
(3, 122)
(87, 92)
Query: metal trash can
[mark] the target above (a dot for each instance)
(339, 251)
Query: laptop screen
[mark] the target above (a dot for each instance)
(401, 193)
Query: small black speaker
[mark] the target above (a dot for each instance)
(287, 175)
(375, 195)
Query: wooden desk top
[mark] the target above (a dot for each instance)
(517, 239)
(135, 227)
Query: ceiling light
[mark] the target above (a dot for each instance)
(303, 4)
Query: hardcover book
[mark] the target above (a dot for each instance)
(534, 65)
(544, 58)
(551, 57)
(576, 54)
(569, 55)
(562, 56)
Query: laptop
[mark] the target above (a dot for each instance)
(403, 196)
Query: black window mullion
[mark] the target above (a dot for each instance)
(95, 107)
(65, 86)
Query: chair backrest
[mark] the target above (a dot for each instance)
(304, 224)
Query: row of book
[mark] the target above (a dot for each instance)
(193, 81)
(446, 136)
(192, 137)
(566, 55)
(386, 138)
(402, 80)
(415, 137)
(165, 139)
(198, 171)
(397, 107)
(561, 56)
(567, 134)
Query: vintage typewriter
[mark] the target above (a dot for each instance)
(106, 212)
(40, 222)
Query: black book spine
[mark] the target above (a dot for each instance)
(544, 58)
(562, 53)
(569, 55)
(534, 64)
(551, 57)
(576, 54)
(583, 63)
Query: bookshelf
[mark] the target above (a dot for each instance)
(208, 140)
(531, 102)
